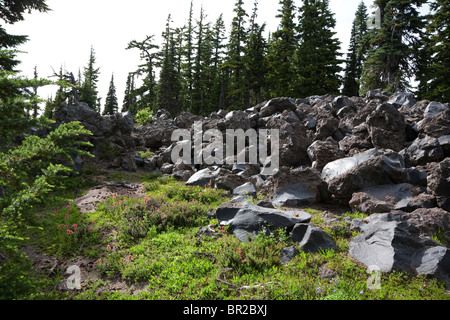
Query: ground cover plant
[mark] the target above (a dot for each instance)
(156, 247)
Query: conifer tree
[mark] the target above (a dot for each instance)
(187, 65)
(393, 56)
(111, 105)
(88, 90)
(235, 63)
(316, 61)
(129, 99)
(146, 94)
(434, 71)
(218, 72)
(356, 54)
(283, 43)
(169, 86)
(255, 62)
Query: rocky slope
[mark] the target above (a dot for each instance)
(388, 156)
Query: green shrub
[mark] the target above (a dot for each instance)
(143, 116)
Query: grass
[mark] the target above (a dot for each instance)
(153, 245)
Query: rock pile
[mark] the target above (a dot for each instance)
(377, 154)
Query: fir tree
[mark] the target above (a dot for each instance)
(316, 61)
(88, 90)
(187, 66)
(255, 63)
(169, 86)
(356, 54)
(129, 99)
(146, 94)
(283, 43)
(434, 63)
(393, 55)
(111, 105)
(235, 64)
(219, 73)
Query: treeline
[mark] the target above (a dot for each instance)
(200, 67)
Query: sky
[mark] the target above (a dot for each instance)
(64, 36)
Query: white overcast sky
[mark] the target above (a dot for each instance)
(64, 36)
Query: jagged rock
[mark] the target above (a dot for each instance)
(277, 105)
(338, 167)
(433, 261)
(236, 119)
(434, 109)
(247, 189)
(159, 134)
(386, 127)
(423, 150)
(386, 168)
(436, 126)
(312, 238)
(444, 142)
(377, 94)
(202, 178)
(386, 244)
(247, 219)
(287, 254)
(323, 152)
(400, 99)
(385, 198)
(185, 120)
(439, 183)
(293, 187)
(228, 181)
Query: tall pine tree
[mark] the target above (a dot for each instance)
(316, 61)
(88, 90)
(234, 64)
(129, 99)
(169, 86)
(255, 62)
(146, 94)
(393, 53)
(283, 42)
(111, 104)
(356, 54)
(434, 71)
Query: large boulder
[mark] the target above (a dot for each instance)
(439, 183)
(312, 238)
(203, 177)
(435, 126)
(277, 105)
(423, 150)
(385, 198)
(248, 220)
(386, 126)
(159, 134)
(321, 152)
(388, 244)
(295, 187)
(387, 168)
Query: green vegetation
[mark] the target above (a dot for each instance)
(153, 243)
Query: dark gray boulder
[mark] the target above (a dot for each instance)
(433, 261)
(311, 238)
(287, 254)
(246, 189)
(423, 150)
(438, 183)
(202, 178)
(247, 219)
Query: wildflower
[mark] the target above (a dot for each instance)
(55, 213)
(99, 260)
(90, 229)
(59, 227)
(120, 201)
(67, 216)
(129, 257)
(70, 210)
(93, 222)
(115, 204)
(69, 231)
(68, 207)
(75, 226)
(108, 247)
(361, 292)
(318, 290)
(223, 228)
(120, 261)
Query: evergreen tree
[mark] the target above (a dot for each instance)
(146, 94)
(434, 71)
(255, 62)
(235, 63)
(111, 105)
(356, 54)
(393, 53)
(283, 42)
(218, 72)
(316, 61)
(129, 99)
(187, 65)
(169, 86)
(88, 90)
